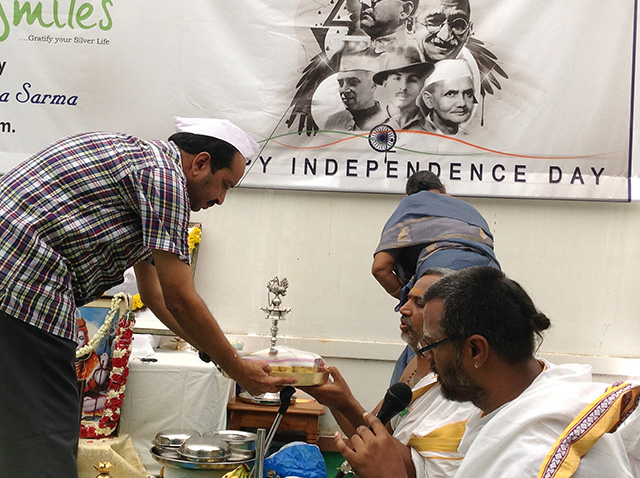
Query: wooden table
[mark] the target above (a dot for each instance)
(302, 415)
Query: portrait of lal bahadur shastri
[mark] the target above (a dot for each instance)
(412, 64)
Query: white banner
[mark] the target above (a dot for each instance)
(552, 83)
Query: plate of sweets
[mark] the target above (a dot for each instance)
(309, 368)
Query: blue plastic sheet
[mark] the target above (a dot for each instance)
(297, 459)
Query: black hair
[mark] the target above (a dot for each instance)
(482, 300)
(423, 181)
(221, 152)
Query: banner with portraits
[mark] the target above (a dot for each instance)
(499, 98)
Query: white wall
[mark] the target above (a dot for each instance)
(578, 260)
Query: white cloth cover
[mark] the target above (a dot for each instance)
(119, 451)
(177, 391)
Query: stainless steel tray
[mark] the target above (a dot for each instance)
(264, 399)
(173, 460)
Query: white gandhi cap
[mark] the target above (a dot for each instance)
(448, 70)
(221, 129)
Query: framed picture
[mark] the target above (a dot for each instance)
(105, 327)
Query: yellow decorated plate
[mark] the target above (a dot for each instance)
(304, 379)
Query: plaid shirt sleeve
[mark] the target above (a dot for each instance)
(162, 206)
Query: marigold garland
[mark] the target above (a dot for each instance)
(195, 235)
(108, 422)
(136, 303)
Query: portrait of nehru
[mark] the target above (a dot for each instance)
(358, 94)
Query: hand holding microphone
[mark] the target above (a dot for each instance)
(395, 400)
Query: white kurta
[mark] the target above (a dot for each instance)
(630, 434)
(514, 440)
(427, 413)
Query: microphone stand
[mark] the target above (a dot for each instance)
(285, 399)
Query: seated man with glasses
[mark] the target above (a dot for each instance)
(427, 434)
(534, 418)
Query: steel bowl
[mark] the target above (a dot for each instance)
(242, 445)
(173, 438)
(204, 449)
(177, 462)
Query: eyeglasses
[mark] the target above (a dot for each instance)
(435, 23)
(426, 348)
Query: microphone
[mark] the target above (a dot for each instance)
(395, 400)
(285, 398)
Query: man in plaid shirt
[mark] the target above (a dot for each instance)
(73, 218)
